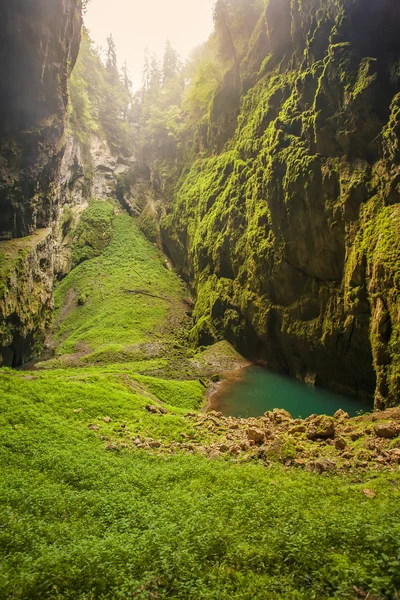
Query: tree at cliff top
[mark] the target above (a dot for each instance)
(284, 189)
(100, 98)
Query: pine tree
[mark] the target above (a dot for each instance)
(112, 62)
(170, 63)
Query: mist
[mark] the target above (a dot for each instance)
(136, 25)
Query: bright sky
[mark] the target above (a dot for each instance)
(137, 24)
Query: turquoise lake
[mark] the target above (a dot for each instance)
(251, 391)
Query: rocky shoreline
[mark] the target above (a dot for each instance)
(318, 443)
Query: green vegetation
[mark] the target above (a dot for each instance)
(82, 521)
(282, 135)
(108, 306)
(93, 232)
(100, 100)
(272, 148)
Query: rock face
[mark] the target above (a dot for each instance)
(39, 42)
(291, 234)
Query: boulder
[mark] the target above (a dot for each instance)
(340, 415)
(255, 435)
(321, 427)
(340, 444)
(279, 415)
(386, 430)
(321, 465)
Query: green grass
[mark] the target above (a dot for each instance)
(87, 515)
(93, 232)
(107, 319)
(80, 522)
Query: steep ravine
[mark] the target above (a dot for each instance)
(290, 232)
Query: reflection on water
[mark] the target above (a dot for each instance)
(251, 391)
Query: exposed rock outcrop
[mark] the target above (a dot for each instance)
(39, 43)
(291, 234)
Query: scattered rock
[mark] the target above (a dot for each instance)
(78, 410)
(321, 428)
(255, 435)
(395, 455)
(214, 454)
(162, 410)
(107, 420)
(297, 429)
(385, 431)
(340, 444)
(234, 426)
(111, 447)
(152, 409)
(369, 493)
(340, 415)
(321, 465)
(93, 427)
(281, 416)
(369, 444)
(356, 435)
(223, 447)
(190, 415)
(244, 445)
(154, 444)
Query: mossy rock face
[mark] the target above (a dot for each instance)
(291, 233)
(42, 40)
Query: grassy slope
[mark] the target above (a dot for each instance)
(109, 319)
(83, 518)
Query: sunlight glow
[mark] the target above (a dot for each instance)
(137, 24)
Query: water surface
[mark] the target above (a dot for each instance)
(251, 391)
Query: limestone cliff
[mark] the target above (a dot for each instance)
(291, 233)
(39, 42)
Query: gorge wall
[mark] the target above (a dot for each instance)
(39, 43)
(289, 230)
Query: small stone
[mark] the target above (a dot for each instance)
(78, 410)
(155, 444)
(255, 435)
(297, 429)
(369, 493)
(385, 431)
(355, 435)
(340, 414)
(234, 426)
(93, 427)
(244, 445)
(340, 444)
(280, 415)
(321, 465)
(223, 447)
(111, 447)
(395, 455)
(152, 409)
(214, 455)
(321, 427)
(191, 415)
(137, 441)
(107, 420)
(162, 410)
(369, 444)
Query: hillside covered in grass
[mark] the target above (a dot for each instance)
(115, 485)
(242, 206)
